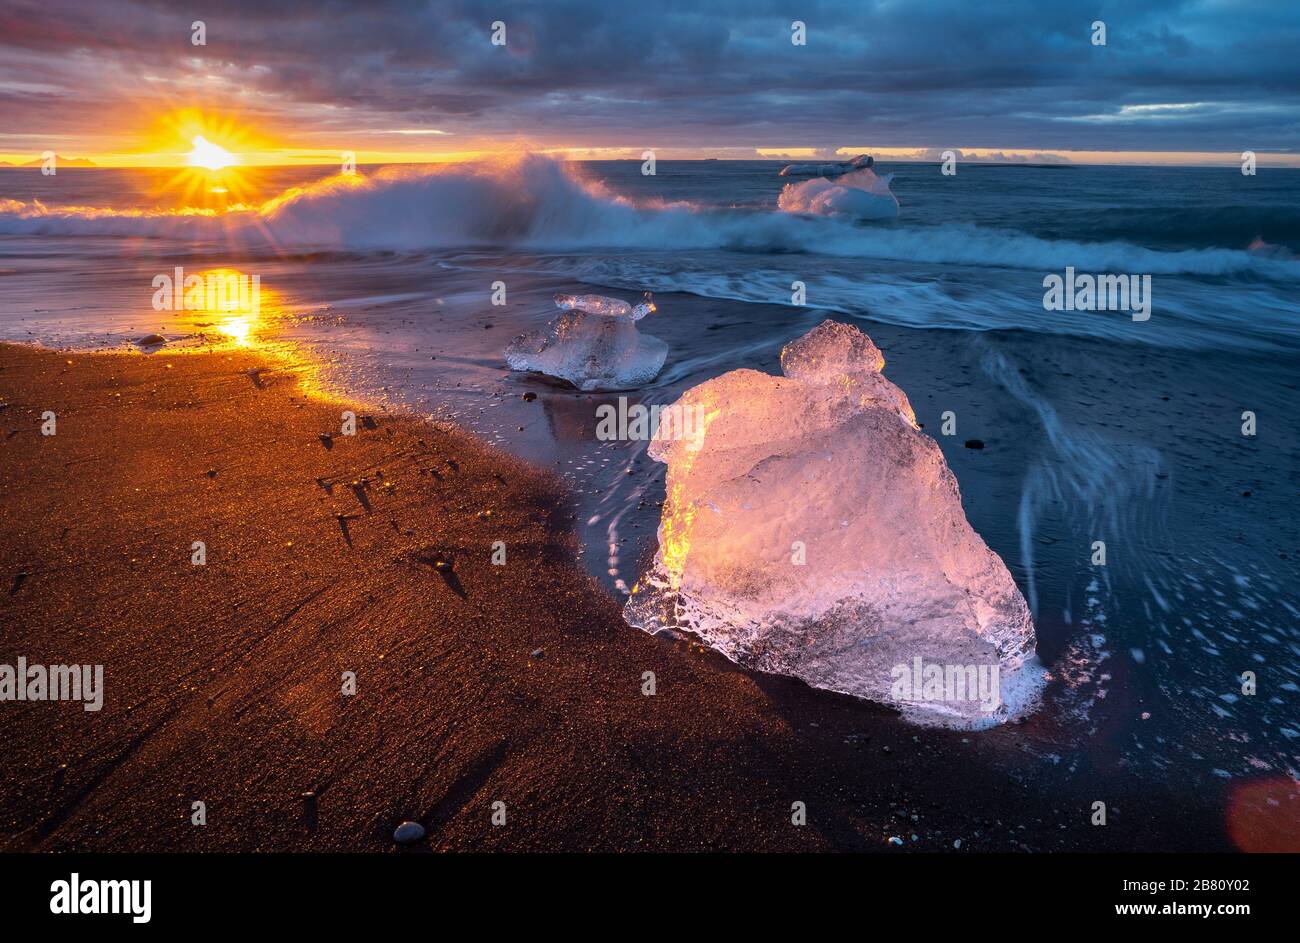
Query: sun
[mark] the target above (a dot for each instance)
(208, 155)
(215, 157)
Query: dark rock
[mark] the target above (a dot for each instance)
(408, 833)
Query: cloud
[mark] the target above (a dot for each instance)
(936, 155)
(1018, 75)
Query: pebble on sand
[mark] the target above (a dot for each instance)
(151, 340)
(408, 833)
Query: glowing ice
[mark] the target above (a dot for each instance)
(860, 195)
(594, 344)
(817, 532)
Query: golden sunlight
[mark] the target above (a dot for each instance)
(226, 302)
(208, 155)
(211, 175)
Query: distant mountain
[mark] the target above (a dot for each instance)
(58, 162)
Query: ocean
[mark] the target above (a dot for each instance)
(1095, 425)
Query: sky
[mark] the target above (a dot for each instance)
(122, 81)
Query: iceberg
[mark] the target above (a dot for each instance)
(813, 530)
(860, 194)
(593, 344)
(833, 169)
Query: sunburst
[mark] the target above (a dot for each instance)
(213, 150)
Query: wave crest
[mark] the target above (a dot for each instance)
(540, 203)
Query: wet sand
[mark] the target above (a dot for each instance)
(517, 684)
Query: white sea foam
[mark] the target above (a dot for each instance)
(1107, 486)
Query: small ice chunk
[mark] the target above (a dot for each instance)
(811, 529)
(610, 307)
(594, 344)
(859, 195)
(833, 169)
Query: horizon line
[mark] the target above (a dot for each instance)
(301, 157)
(425, 161)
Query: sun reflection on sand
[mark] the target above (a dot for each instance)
(236, 311)
(238, 329)
(232, 303)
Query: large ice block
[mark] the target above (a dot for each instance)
(815, 531)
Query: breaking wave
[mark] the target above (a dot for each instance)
(540, 203)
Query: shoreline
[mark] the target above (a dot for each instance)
(518, 683)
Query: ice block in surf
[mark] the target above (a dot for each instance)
(593, 344)
(860, 194)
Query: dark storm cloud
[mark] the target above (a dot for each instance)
(615, 73)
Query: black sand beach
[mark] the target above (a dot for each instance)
(517, 684)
